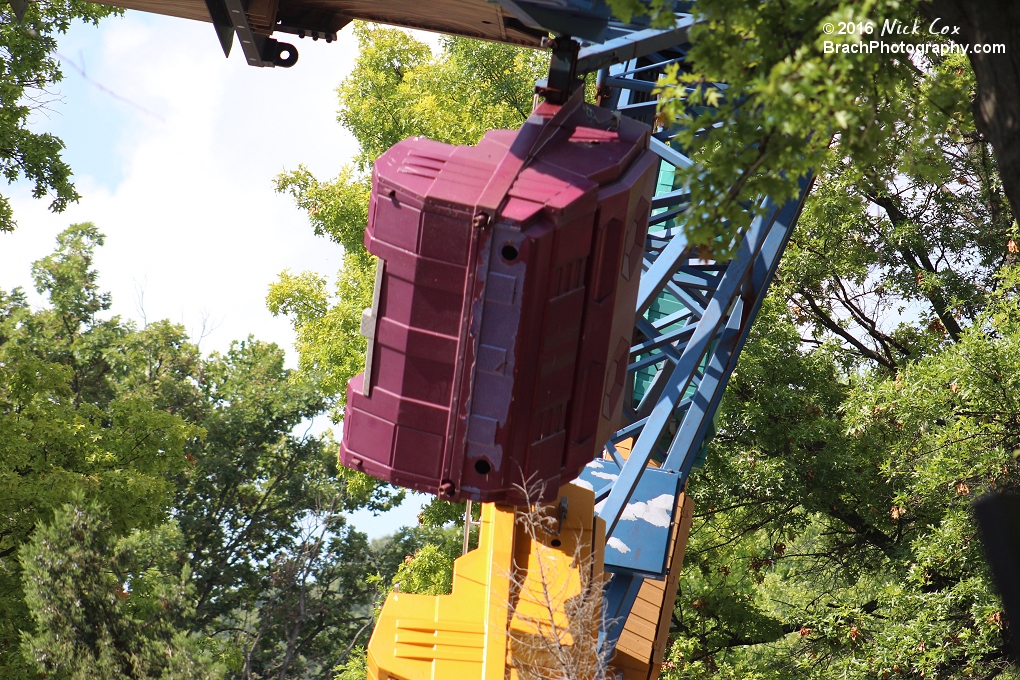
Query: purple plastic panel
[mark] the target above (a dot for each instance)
(498, 348)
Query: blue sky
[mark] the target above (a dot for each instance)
(180, 177)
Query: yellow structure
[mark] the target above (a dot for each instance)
(527, 600)
(461, 635)
(527, 604)
(558, 584)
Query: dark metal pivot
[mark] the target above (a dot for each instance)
(229, 17)
(19, 7)
(563, 80)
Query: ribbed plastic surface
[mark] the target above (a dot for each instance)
(498, 349)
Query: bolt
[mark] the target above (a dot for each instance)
(447, 488)
(482, 220)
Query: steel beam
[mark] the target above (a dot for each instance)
(634, 45)
(692, 318)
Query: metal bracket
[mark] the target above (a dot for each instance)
(561, 514)
(468, 523)
(562, 81)
(634, 45)
(314, 34)
(19, 7)
(569, 61)
(229, 17)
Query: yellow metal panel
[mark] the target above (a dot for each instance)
(475, 610)
(514, 599)
(417, 637)
(437, 653)
(559, 594)
(446, 626)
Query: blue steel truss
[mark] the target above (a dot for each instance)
(692, 320)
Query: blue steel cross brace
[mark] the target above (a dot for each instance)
(693, 318)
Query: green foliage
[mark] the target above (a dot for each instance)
(355, 667)
(429, 571)
(106, 608)
(659, 12)
(784, 100)
(417, 559)
(337, 209)
(66, 425)
(275, 563)
(439, 512)
(398, 89)
(833, 535)
(27, 70)
(330, 346)
(267, 575)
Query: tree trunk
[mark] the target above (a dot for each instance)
(997, 105)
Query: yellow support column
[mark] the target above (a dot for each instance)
(526, 604)
(557, 604)
(458, 636)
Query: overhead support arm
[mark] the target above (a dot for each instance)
(581, 18)
(19, 7)
(633, 45)
(562, 81)
(569, 63)
(229, 17)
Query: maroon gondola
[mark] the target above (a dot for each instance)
(501, 326)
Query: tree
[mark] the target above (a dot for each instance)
(355, 668)
(785, 99)
(137, 426)
(785, 96)
(997, 101)
(279, 575)
(932, 238)
(27, 69)
(834, 535)
(107, 609)
(65, 427)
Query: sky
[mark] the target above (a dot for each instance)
(174, 151)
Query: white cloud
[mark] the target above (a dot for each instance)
(583, 483)
(194, 217)
(186, 196)
(656, 511)
(617, 545)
